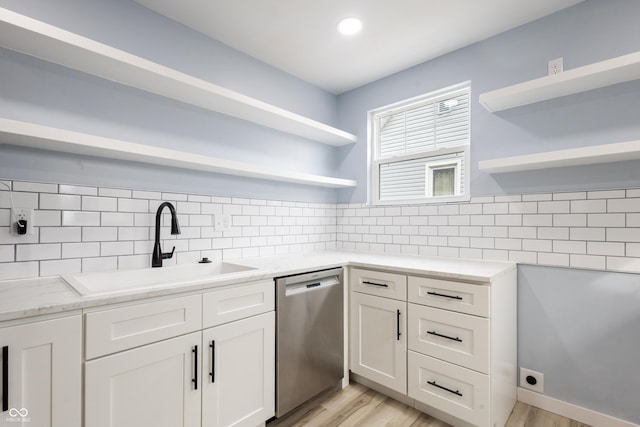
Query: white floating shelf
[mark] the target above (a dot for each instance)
(53, 139)
(601, 74)
(44, 41)
(607, 153)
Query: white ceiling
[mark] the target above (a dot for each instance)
(299, 36)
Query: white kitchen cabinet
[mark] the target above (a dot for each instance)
(155, 385)
(455, 337)
(152, 364)
(238, 302)
(462, 347)
(42, 361)
(135, 325)
(453, 389)
(457, 358)
(450, 295)
(382, 284)
(378, 340)
(239, 372)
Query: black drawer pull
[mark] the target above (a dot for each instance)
(433, 383)
(194, 350)
(382, 285)
(444, 336)
(5, 378)
(443, 295)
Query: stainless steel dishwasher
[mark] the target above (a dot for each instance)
(310, 336)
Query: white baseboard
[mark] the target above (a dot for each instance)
(569, 410)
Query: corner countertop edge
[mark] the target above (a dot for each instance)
(25, 298)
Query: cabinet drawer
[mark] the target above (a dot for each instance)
(117, 329)
(450, 295)
(226, 305)
(379, 283)
(457, 338)
(456, 390)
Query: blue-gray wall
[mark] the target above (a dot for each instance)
(36, 91)
(579, 328)
(588, 32)
(582, 330)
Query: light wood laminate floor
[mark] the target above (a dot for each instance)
(357, 405)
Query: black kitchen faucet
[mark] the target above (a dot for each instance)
(158, 255)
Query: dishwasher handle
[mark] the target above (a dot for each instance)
(311, 286)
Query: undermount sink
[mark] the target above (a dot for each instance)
(151, 278)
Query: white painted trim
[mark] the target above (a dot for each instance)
(424, 201)
(53, 139)
(605, 153)
(41, 40)
(569, 410)
(443, 164)
(600, 74)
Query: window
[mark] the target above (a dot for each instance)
(443, 178)
(421, 148)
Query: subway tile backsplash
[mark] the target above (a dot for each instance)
(594, 229)
(87, 229)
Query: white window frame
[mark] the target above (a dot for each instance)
(442, 164)
(374, 149)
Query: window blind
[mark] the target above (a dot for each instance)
(423, 126)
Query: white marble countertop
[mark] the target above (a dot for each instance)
(34, 297)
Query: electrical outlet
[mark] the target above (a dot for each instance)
(222, 222)
(555, 66)
(22, 214)
(532, 380)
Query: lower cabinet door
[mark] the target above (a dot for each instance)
(458, 391)
(155, 385)
(43, 366)
(378, 340)
(239, 372)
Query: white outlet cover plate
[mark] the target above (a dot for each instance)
(222, 222)
(556, 66)
(22, 213)
(538, 387)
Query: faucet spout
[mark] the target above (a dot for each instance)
(158, 255)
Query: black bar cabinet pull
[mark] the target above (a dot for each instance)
(194, 350)
(398, 324)
(443, 295)
(444, 336)
(433, 383)
(212, 374)
(5, 378)
(382, 285)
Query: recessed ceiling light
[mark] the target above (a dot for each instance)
(349, 26)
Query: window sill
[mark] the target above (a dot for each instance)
(425, 201)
